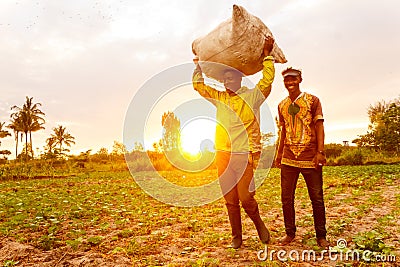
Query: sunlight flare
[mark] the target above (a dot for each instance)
(196, 135)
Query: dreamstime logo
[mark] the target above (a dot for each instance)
(171, 91)
(340, 252)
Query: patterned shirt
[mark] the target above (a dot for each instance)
(238, 114)
(298, 120)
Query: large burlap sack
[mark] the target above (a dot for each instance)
(237, 42)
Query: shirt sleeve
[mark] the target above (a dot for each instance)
(316, 110)
(268, 75)
(281, 120)
(204, 90)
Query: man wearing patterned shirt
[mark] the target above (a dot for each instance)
(237, 140)
(301, 150)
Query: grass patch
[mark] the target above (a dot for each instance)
(108, 211)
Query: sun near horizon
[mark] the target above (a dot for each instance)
(196, 135)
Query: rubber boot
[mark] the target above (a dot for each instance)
(262, 230)
(236, 225)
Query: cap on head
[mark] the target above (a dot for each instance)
(291, 72)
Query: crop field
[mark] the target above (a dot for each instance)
(106, 219)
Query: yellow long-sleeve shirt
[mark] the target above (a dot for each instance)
(238, 115)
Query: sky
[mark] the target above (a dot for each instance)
(84, 61)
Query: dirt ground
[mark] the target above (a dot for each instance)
(184, 251)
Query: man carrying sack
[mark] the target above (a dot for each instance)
(238, 139)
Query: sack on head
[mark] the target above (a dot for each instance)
(238, 43)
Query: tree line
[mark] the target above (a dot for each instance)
(28, 119)
(383, 132)
(384, 128)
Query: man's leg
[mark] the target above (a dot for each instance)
(289, 177)
(235, 220)
(229, 189)
(313, 178)
(246, 190)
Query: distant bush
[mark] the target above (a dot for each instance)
(140, 164)
(363, 156)
(350, 157)
(333, 152)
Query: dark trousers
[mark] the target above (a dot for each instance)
(313, 179)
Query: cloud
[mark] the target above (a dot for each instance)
(84, 60)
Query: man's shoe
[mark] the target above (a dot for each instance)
(236, 242)
(286, 240)
(262, 230)
(323, 243)
(264, 235)
(236, 225)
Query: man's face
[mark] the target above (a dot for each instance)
(292, 83)
(232, 80)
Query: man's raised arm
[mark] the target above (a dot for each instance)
(268, 72)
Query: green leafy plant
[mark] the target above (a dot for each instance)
(95, 240)
(10, 263)
(107, 211)
(372, 241)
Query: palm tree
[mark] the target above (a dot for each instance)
(62, 137)
(50, 152)
(29, 119)
(16, 126)
(50, 144)
(35, 119)
(3, 133)
(21, 125)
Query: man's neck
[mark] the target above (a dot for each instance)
(232, 92)
(293, 96)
